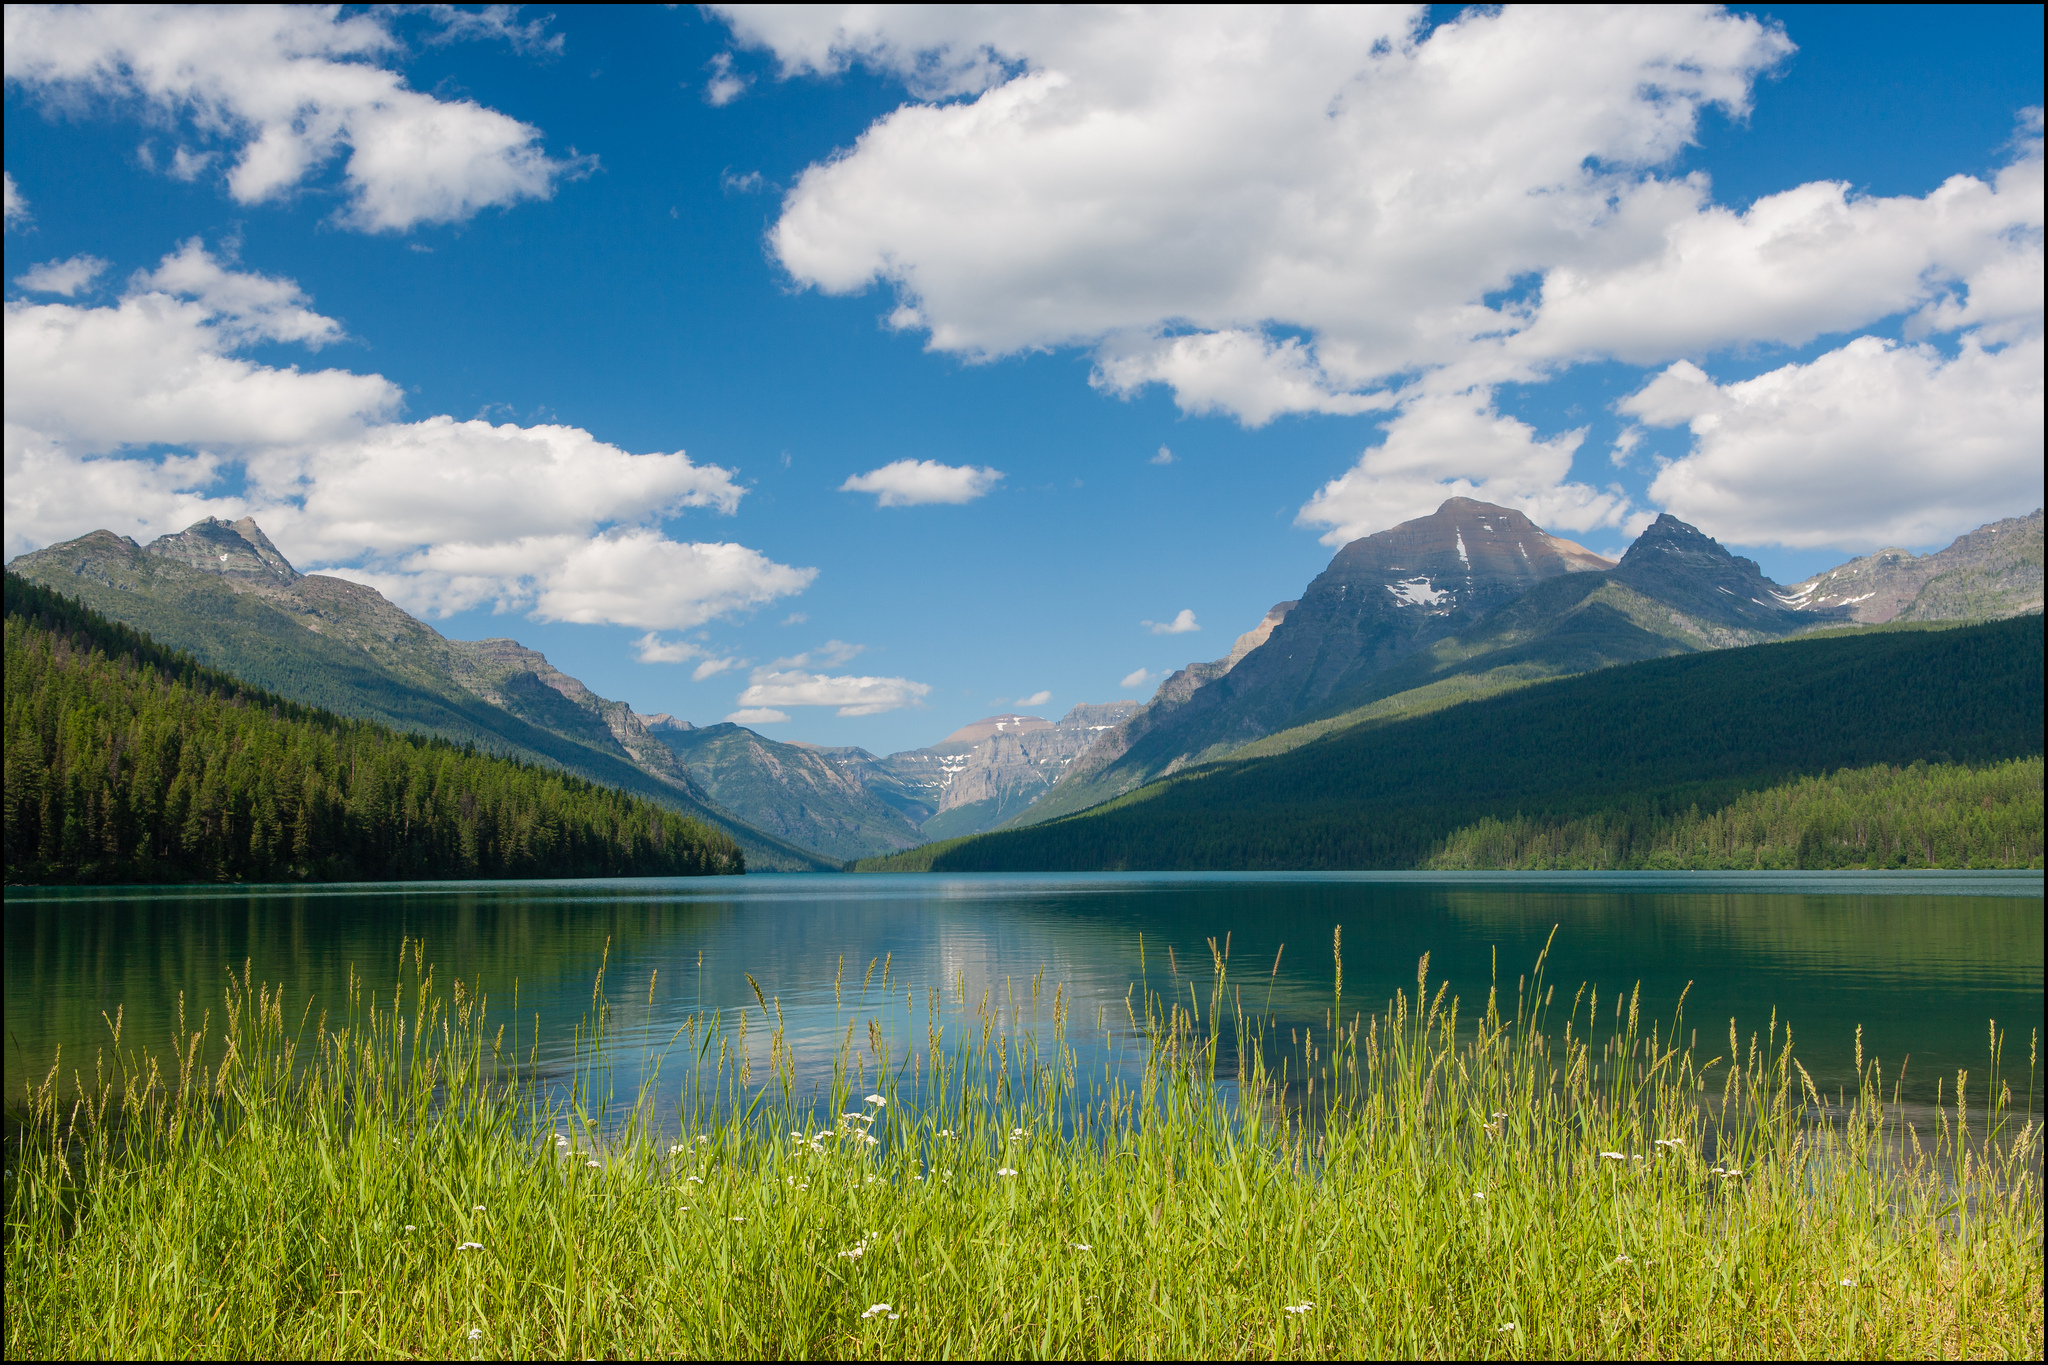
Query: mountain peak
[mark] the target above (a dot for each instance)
(232, 549)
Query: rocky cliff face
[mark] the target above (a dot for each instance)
(1722, 599)
(1993, 571)
(801, 792)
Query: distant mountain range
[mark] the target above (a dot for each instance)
(1468, 602)
(1476, 599)
(221, 592)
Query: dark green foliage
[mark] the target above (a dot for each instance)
(1939, 815)
(1655, 739)
(126, 761)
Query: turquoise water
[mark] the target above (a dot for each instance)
(1923, 961)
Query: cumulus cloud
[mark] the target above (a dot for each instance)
(853, 696)
(1170, 186)
(1035, 699)
(1875, 443)
(909, 483)
(285, 90)
(1164, 456)
(1179, 625)
(1458, 445)
(1137, 677)
(438, 514)
(758, 715)
(16, 205)
(1282, 210)
(64, 277)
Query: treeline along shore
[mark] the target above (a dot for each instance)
(129, 762)
(1883, 747)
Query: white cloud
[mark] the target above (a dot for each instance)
(1874, 443)
(438, 514)
(1164, 456)
(1169, 185)
(854, 696)
(1281, 210)
(652, 649)
(1139, 677)
(64, 277)
(910, 483)
(724, 87)
(500, 22)
(1457, 445)
(796, 618)
(711, 668)
(758, 715)
(16, 204)
(287, 89)
(1179, 625)
(1035, 699)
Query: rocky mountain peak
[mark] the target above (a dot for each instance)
(236, 549)
(1685, 568)
(1466, 555)
(662, 720)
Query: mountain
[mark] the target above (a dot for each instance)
(221, 592)
(1993, 571)
(1382, 598)
(797, 791)
(1626, 748)
(1009, 767)
(129, 762)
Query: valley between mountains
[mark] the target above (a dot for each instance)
(1472, 604)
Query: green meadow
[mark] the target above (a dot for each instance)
(1544, 1173)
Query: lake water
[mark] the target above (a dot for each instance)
(1921, 961)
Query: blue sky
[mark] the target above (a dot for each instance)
(1337, 272)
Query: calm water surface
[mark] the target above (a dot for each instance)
(1921, 961)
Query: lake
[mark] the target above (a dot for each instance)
(1922, 961)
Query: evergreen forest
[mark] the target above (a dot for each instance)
(1801, 753)
(129, 762)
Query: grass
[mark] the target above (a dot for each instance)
(1527, 1179)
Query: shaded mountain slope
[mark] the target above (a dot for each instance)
(1656, 736)
(793, 791)
(223, 594)
(128, 761)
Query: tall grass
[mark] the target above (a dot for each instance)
(1537, 1179)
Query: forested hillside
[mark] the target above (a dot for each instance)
(126, 761)
(1653, 743)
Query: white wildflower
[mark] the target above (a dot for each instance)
(1480, 1197)
(677, 1150)
(878, 1100)
(945, 1132)
(1298, 1308)
(1005, 1170)
(469, 1246)
(881, 1310)
(410, 1228)
(1669, 1142)
(597, 1164)
(696, 1179)
(738, 1219)
(476, 1334)
(1500, 1113)
(702, 1138)
(1016, 1132)
(870, 1141)
(854, 1252)
(478, 1209)
(1848, 1284)
(1079, 1246)
(1624, 1260)
(1613, 1156)
(1506, 1327)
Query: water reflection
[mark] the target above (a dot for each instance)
(1921, 963)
